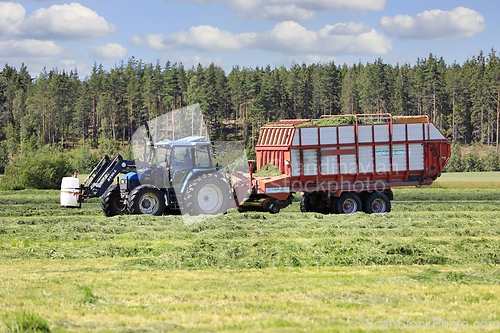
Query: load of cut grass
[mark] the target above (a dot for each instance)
(268, 170)
(336, 121)
(332, 121)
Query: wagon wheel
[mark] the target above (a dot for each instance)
(348, 203)
(377, 203)
(305, 204)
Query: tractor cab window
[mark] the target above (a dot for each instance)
(162, 156)
(182, 158)
(202, 157)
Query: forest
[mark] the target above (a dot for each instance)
(60, 109)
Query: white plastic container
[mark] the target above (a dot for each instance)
(70, 191)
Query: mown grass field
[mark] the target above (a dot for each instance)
(468, 180)
(436, 255)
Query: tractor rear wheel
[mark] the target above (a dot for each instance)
(377, 203)
(146, 199)
(208, 194)
(111, 202)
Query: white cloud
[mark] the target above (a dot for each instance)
(288, 38)
(11, 16)
(297, 10)
(346, 29)
(436, 24)
(338, 5)
(109, 51)
(291, 38)
(203, 37)
(238, 5)
(286, 12)
(188, 61)
(30, 48)
(309, 59)
(68, 22)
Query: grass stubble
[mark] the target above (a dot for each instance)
(435, 255)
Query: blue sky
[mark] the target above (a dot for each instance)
(248, 33)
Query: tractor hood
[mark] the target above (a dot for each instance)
(140, 174)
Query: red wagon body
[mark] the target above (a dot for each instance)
(360, 161)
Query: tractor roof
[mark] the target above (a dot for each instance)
(187, 141)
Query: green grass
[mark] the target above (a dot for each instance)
(435, 255)
(268, 170)
(290, 299)
(27, 322)
(468, 180)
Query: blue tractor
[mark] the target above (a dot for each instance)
(178, 176)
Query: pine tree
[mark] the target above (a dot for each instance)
(350, 94)
(306, 96)
(401, 101)
(492, 99)
(283, 103)
(132, 77)
(95, 89)
(330, 89)
(417, 88)
(477, 89)
(454, 91)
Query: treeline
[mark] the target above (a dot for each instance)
(473, 159)
(58, 108)
(44, 168)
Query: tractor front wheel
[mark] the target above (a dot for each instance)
(208, 194)
(146, 199)
(111, 202)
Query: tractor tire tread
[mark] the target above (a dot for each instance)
(133, 196)
(189, 204)
(107, 206)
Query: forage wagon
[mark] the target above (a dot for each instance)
(344, 164)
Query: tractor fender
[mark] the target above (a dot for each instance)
(195, 173)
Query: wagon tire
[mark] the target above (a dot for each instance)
(348, 203)
(274, 208)
(377, 203)
(111, 202)
(207, 194)
(146, 199)
(333, 205)
(305, 204)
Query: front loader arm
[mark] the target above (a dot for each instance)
(103, 175)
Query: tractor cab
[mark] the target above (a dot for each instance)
(179, 158)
